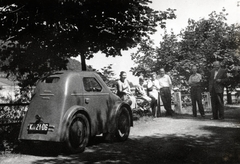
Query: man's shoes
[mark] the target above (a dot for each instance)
(221, 118)
(203, 115)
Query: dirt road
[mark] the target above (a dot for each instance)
(180, 139)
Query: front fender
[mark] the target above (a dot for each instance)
(67, 116)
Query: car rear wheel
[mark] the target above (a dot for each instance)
(123, 125)
(78, 134)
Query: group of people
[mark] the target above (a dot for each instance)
(217, 81)
(161, 87)
(156, 87)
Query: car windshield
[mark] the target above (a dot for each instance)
(52, 78)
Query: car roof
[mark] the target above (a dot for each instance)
(84, 73)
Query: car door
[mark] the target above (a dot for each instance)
(96, 102)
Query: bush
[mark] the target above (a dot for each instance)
(12, 112)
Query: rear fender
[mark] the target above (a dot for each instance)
(123, 104)
(67, 116)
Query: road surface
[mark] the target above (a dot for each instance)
(178, 139)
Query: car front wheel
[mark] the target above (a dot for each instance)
(123, 125)
(78, 133)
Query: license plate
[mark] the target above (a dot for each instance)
(38, 128)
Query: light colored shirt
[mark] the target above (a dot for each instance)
(153, 84)
(165, 81)
(195, 78)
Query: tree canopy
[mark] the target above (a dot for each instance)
(38, 36)
(200, 43)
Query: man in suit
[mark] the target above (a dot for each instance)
(216, 86)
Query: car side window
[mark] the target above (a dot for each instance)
(91, 84)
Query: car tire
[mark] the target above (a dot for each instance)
(78, 133)
(123, 124)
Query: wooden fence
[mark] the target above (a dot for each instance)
(184, 100)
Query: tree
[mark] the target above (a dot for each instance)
(108, 75)
(40, 35)
(200, 43)
(207, 40)
(145, 58)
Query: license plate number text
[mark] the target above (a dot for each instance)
(42, 127)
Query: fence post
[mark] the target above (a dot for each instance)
(159, 113)
(178, 102)
(209, 104)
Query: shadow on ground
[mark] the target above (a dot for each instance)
(221, 145)
(171, 149)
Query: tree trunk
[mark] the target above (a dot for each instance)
(83, 62)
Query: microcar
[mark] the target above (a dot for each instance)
(70, 107)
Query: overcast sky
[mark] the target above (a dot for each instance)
(185, 9)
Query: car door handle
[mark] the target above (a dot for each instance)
(87, 100)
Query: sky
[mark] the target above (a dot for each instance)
(185, 9)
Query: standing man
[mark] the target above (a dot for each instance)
(165, 83)
(216, 85)
(196, 92)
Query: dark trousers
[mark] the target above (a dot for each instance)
(166, 99)
(154, 106)
(196, 97)
(156, 111)
(217, 105)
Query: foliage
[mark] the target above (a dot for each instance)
(108, 75)
(73, 65)
(38, 36)
(200, 43)
(167, 56)
(207, 40)
(145, 58)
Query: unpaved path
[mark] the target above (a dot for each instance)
(180, 139)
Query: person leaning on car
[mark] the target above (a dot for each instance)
(196, 91)
(218, 78)
(124, 91)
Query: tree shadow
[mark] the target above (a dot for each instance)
(220, 145)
